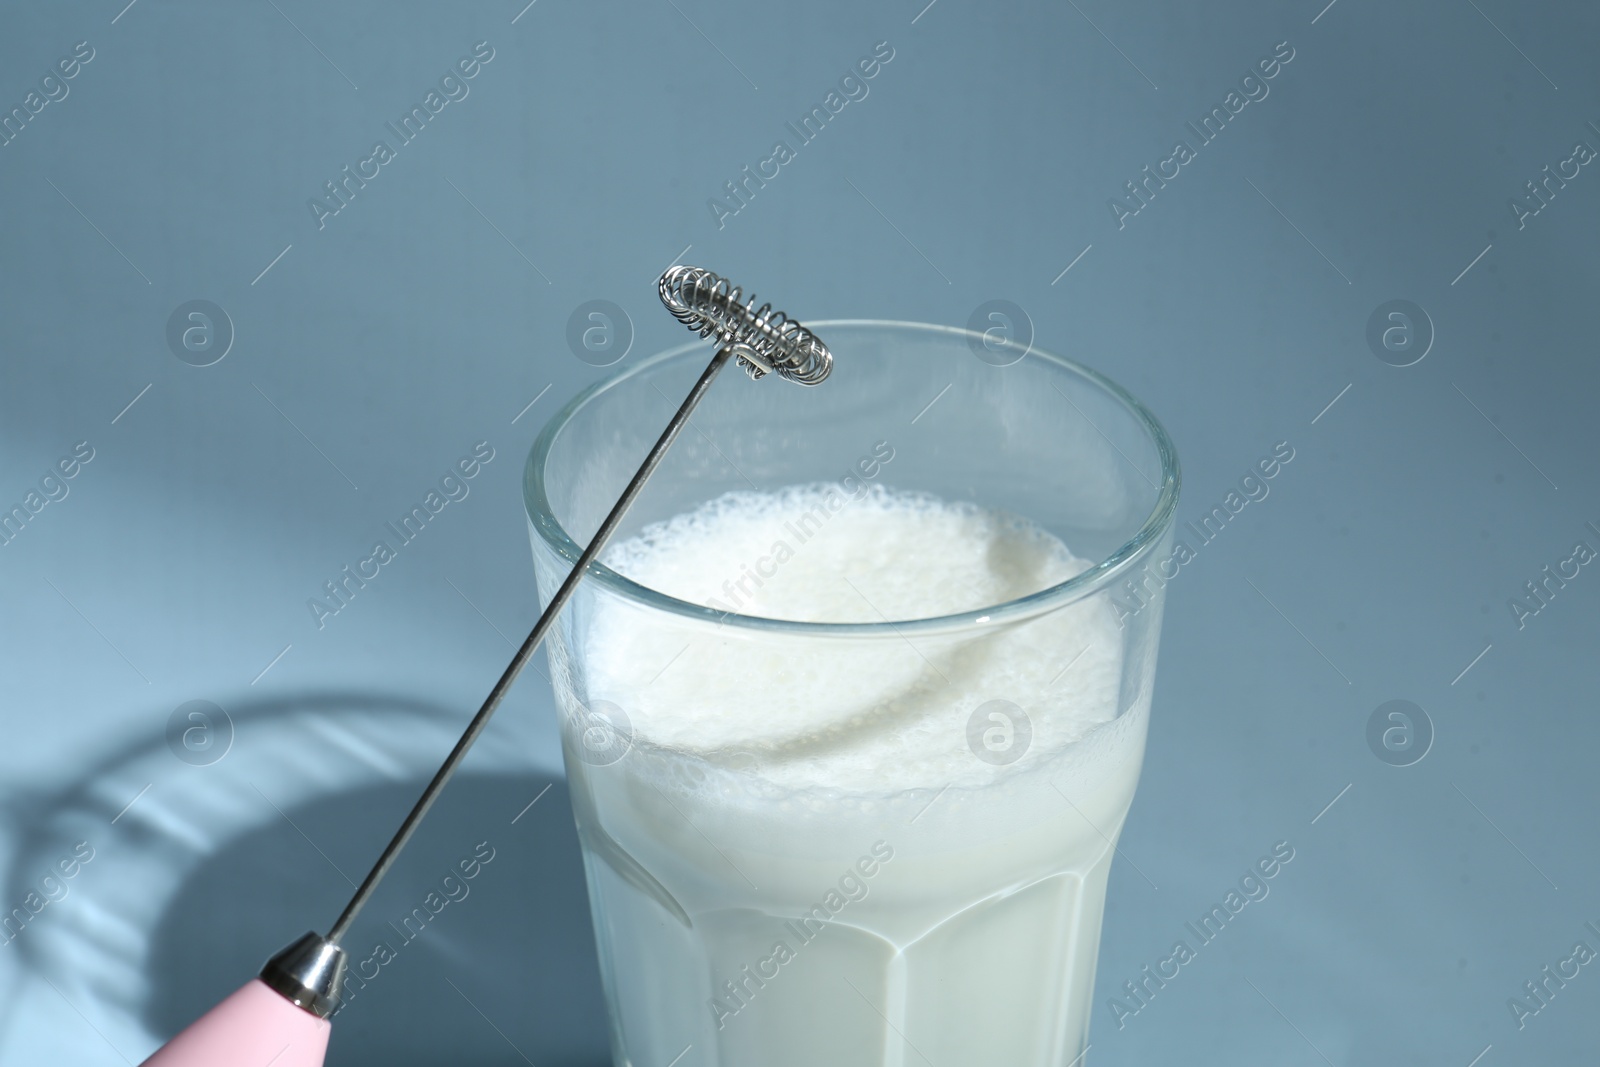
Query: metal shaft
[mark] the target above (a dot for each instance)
(479, 721)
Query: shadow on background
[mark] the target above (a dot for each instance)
(202, 880)
(518, 944)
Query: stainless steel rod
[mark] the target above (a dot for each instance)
(479, 721)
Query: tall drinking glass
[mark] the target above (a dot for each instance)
(918, 875)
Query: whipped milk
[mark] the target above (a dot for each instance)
(855, 850)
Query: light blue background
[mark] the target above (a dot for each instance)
(428, 313)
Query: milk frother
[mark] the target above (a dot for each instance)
(281, 1018)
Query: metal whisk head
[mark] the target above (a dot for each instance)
(763, 339)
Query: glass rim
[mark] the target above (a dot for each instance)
(1099, 575)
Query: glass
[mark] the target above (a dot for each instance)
(945, 901)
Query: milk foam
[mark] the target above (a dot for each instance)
(857, 715)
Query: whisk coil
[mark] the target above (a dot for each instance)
(762, 338)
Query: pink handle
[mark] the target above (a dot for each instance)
(255, 1027)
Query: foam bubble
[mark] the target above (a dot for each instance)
(861, 715)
